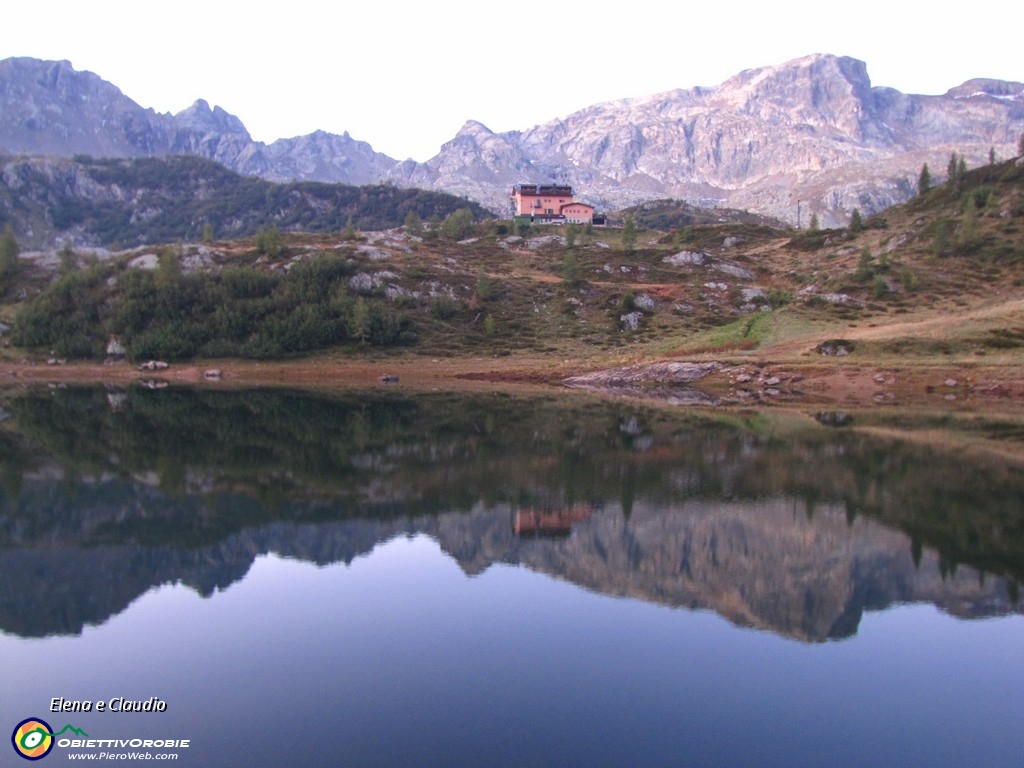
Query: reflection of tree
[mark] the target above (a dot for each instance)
(448, 452)
(756, 563)
(915, 550)
(184, 471)
(628, 491)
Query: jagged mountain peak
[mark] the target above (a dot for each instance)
(199, 116)
(320, 137)
(817, 83)
(42, 83)
(474, 128)
(46, 73)
(981, 86)
(815, 66)
(812, 129)
(48, 107)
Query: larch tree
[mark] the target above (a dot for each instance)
(8, 252)
(924, 181)
(629, 234)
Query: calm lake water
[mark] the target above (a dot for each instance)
(396, 578)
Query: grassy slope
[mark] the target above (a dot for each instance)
(924, 282)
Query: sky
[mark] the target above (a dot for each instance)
(405, 76)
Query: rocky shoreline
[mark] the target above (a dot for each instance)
(676, 382)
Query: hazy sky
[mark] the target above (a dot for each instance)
(405, 76)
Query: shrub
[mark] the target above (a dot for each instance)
(484, 289)
(8, 252)
(444, 308)
(879, 287)
(779, 298)
(570, 269)
(241, 311)
(269, 243)
(865, 266)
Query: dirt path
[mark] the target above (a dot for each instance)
(940, 321)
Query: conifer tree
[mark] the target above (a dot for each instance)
(433, 226)
(413, 224)
(268, 242)
(68, 259)
(457, 224)
(8, 252)
(924, 181)
(967, 232)
(571, 233)
(629, 234)
(570, 269)
(952, 167)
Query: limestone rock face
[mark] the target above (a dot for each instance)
(812, 134)
(46, 107)
(320, 156)
(813, 130)
(49, 108)
(481, 164)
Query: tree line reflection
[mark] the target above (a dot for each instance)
(783, 524)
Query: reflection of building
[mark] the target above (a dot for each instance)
(552, 203)
(549, 522)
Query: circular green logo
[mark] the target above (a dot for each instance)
(32, 738)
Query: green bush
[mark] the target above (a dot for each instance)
(69, 317)
(239, 312)
(779, 298)
(879, 287)
(457, 225)
(444, 308)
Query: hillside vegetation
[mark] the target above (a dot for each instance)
(122, 203)
(939, 277)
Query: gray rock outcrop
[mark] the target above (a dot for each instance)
(813, 131)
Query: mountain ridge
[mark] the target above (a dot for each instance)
(125, 202)
(813, 130)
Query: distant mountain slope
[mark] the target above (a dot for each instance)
(48, 108)
(812, 131)
(143, 200)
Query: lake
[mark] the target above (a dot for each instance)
(389, 577)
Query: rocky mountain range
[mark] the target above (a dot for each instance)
(756, 564)
(49, 108)
(798, 535)
(812, 133)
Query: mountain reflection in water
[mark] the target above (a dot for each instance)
(788, 525)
